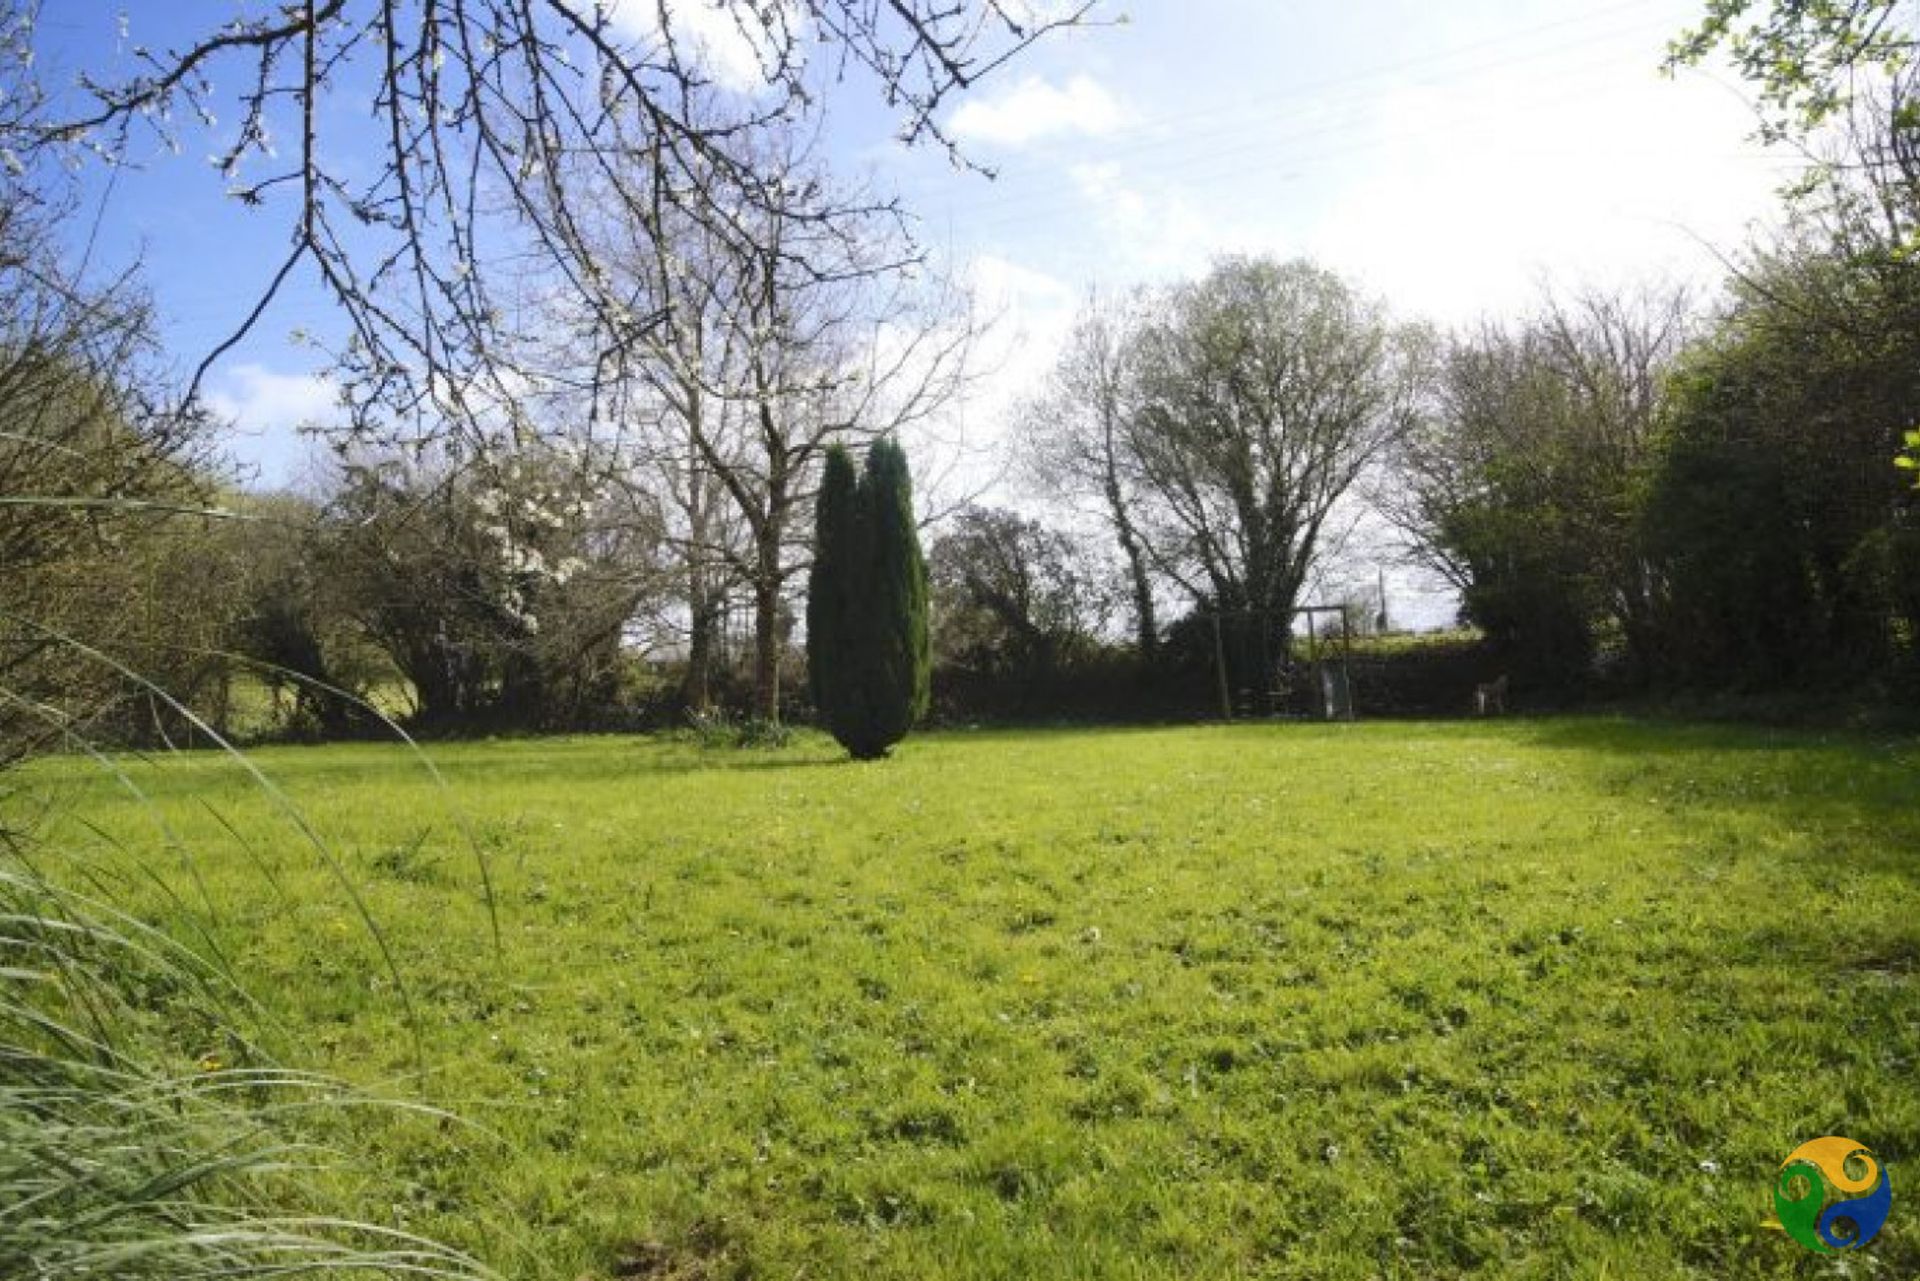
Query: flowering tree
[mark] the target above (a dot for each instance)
(500, 123)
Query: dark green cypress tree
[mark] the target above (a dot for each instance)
(896, 611)
(867, 652)
(832, 586)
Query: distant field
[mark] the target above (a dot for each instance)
(1532, 998)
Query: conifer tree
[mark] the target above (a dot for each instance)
(867, 648)
(831, 591)
(897, 610)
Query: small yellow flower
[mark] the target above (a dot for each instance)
(210, 1063)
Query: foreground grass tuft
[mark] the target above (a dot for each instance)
(117, 1159)
(1522, 999)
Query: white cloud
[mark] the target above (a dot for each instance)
(1101, 185)
(1034, 109)
(261, 401)
(1029, 14)
(1154, 231)
(1022, 314)
(1454, 200)
(1474, 204)
(267, 409)
(1000, 284)
(1027, 313)
(708, 35)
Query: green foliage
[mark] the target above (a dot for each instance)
(1524, 486)
(100, 473)
(1806, 56)
(833, 585)
(1015, 598)
(1533, 591)
(1740, 598)
(1909, 460)
(291, 626)
(867, 642)
(898, 607)
(716, 728)
(1774, 515)
(1259, 394)
(1523, 999)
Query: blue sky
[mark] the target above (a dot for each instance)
(1451, 157)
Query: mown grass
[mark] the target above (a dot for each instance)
(1531, 998)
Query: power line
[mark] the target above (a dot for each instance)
(1242, 107)
(1273, 154)
(1266, 144)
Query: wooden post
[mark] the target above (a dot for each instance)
(1346, 668)
(1220, 668)
(1313, 664)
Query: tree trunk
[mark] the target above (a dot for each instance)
(222, 700)
(766, 653)
(767, 581)
(1147, 630)
(697, 688)
(703, 603)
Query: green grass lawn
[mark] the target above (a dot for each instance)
(1532, 998)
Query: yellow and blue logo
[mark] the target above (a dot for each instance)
(1832, 1194)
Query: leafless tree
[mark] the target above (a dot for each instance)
(1076, 438)
(667, 399)
(497, 116)
(771, 346)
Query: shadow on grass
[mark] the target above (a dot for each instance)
(1679, 735)
(648, 759)
(1860, 789)
(741, 760)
